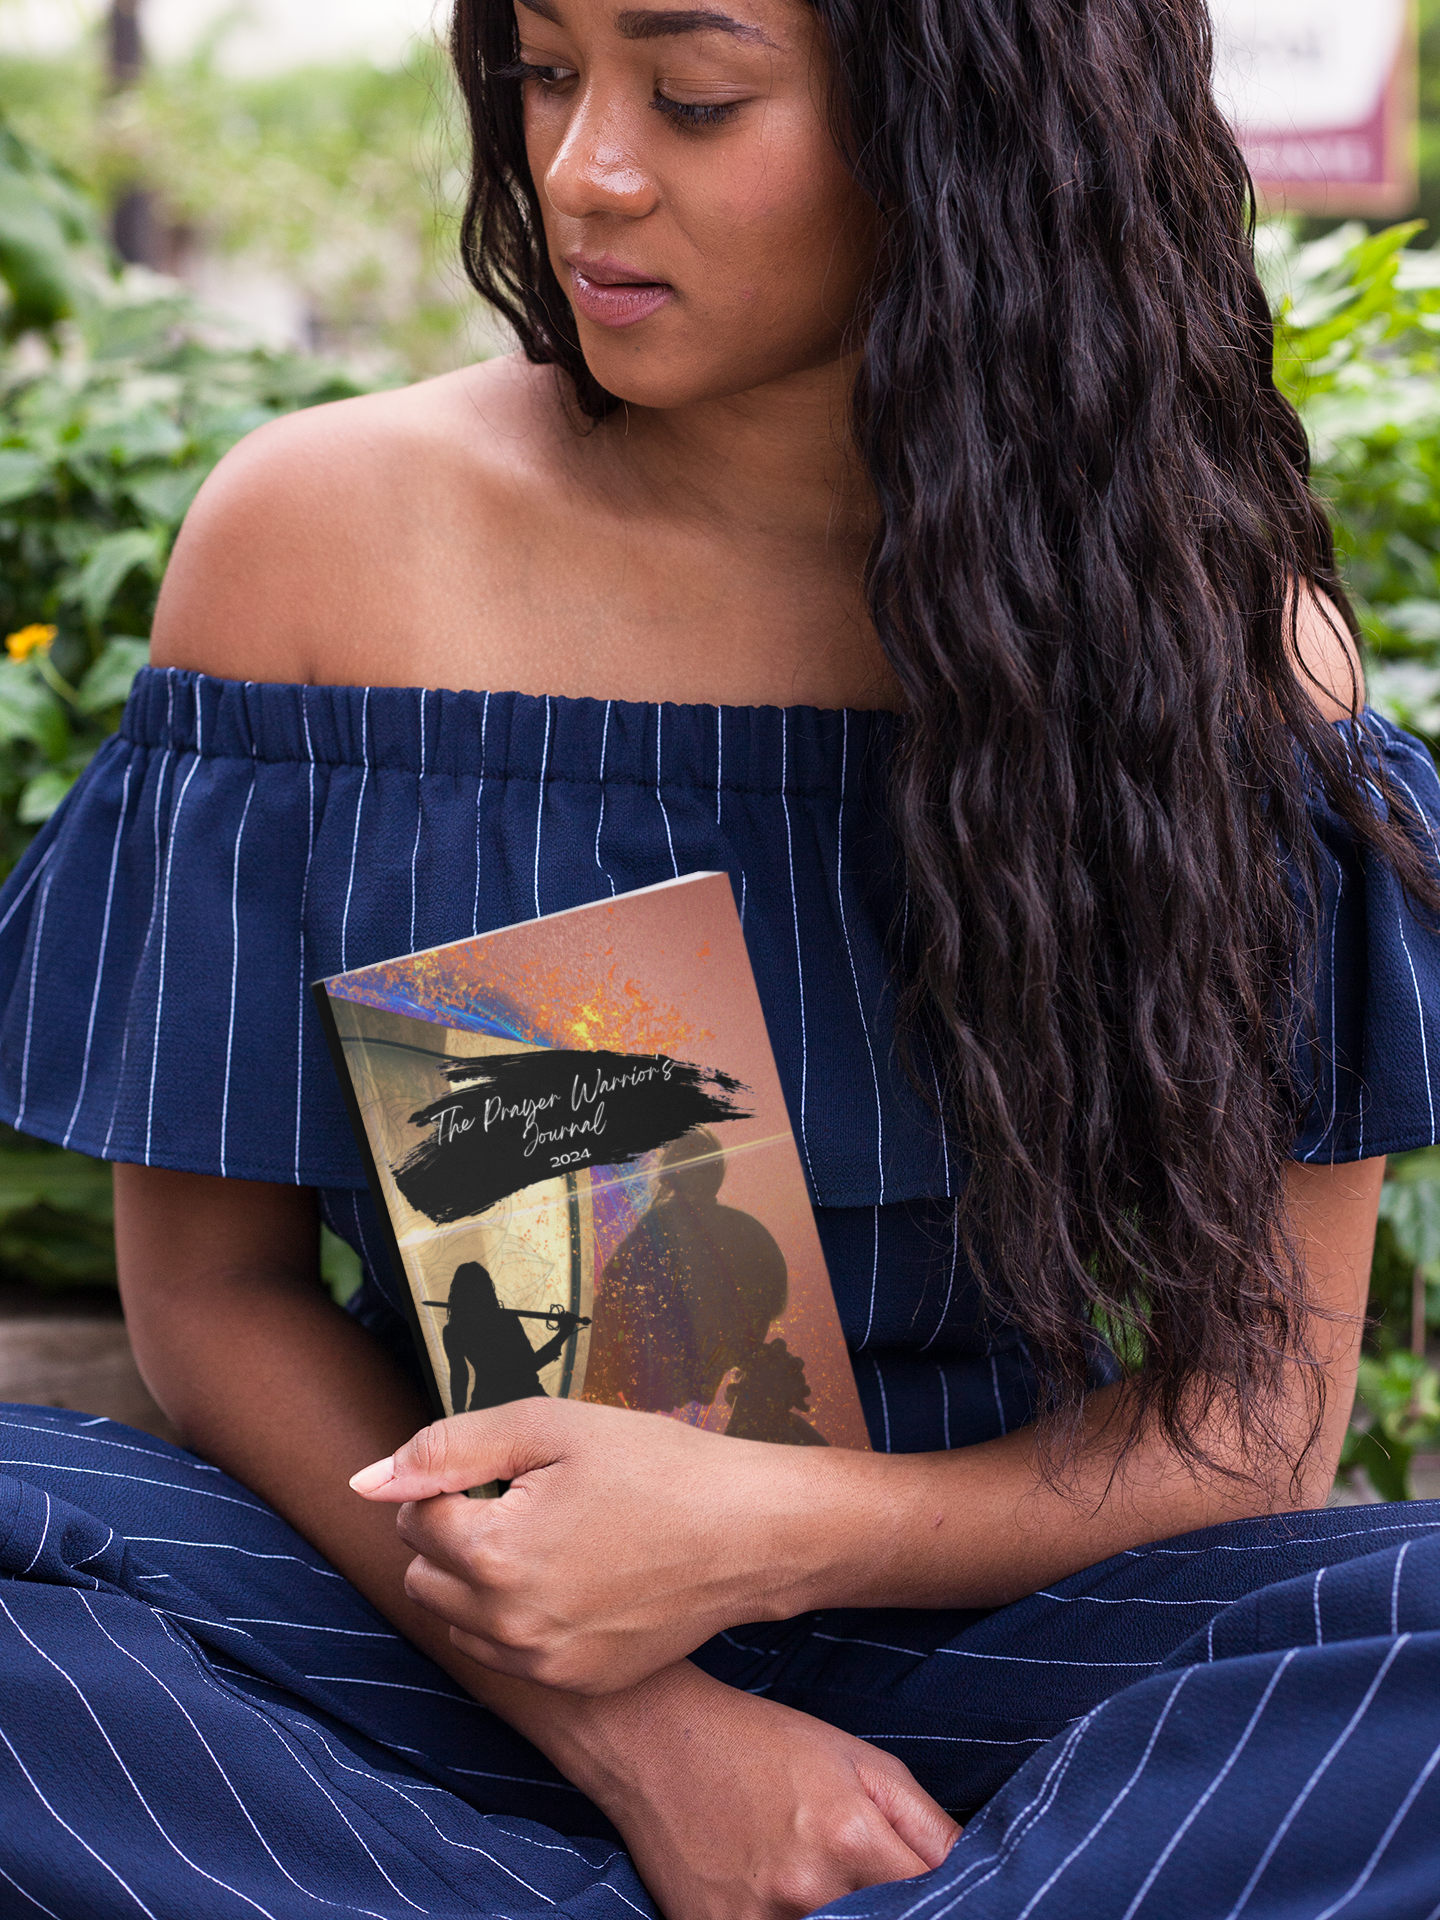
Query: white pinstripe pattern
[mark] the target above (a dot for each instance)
(309, 1626)
(234, 973)
(1419, 1002)
(165, 759)
(24, 894)
(850, 952)
(355, 838)
(419, 820)
(719, 758)
(40, 1545)
(165, 939)
(874, 1282)
(1212, 1789)
(945, 1406)
(743, 886)
(599, 824)
(540, 803)
(467, 1846)
(1080, 1846)
(100, 956)
(799, 958)
(1020, 1828)
(277, 1733)
(226, 1546)
(1315, 1602)
(664, 810)
(884, 1401)
(39, 1905)
(130, 1779)
(30, 1003)
(1383, 1842)
(1395, 1588)
(1290, 1540)
(140, 1479)
(304, 995)
(80, 1840)
(1315, 1778)
(950, 1290)
(970, 1653)
(479, 798)
(180, 1707)
(944, 1130)
(1329, 1133)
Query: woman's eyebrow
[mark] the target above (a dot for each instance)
(657, 23)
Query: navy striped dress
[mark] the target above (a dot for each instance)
(198, 1716)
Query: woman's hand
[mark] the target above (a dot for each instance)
(624, 1542)
(737, 1808)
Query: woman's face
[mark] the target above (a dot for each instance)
(698, 216)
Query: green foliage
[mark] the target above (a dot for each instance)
(343, 179)
(56, 1216)
(47, 230)
(108, 425)
(105, 437)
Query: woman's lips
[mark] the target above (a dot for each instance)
(615, 302)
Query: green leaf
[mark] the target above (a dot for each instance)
(1412, 1208)
(69, 1182)
(339, 1267)
(30, 712)
(42, 795)
(108, 682)
(1386, 1463)
(111, 562)
(35, 257)
(21, 474)
(166, 496)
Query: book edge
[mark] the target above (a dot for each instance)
(377, 1194)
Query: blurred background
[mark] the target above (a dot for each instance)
(213, 213)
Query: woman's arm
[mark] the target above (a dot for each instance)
(772, 1815)
(703, 1532)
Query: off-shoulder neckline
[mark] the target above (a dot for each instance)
(512, 695)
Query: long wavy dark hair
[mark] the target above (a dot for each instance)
(1095, 523)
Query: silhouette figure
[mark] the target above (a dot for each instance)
(487, 1339)
(689, 1294)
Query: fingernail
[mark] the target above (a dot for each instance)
(370, 1478)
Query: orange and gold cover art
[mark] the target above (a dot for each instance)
(577, 1135)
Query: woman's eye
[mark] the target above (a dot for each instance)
(689, 114)
(544, 77)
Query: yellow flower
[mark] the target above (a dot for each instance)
(29, 640)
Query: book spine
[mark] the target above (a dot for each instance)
(377, 1194)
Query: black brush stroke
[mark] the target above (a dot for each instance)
(522, 1117)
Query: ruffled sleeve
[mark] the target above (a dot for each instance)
(154, 951)
(1372, 1074)
(235, 842)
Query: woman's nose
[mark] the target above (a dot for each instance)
(596, 170)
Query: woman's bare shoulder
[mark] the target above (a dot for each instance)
(1329, 659)
(341, 522)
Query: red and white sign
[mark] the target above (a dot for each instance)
(1322, 96)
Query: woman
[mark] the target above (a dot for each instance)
(688, 1297)
(894, 442)
(480, 1332)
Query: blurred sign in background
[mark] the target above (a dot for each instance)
(1322, 93)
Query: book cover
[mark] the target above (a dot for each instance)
(579, 1148)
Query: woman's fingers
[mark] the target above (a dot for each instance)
(920, 1822)
(451, 1456)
